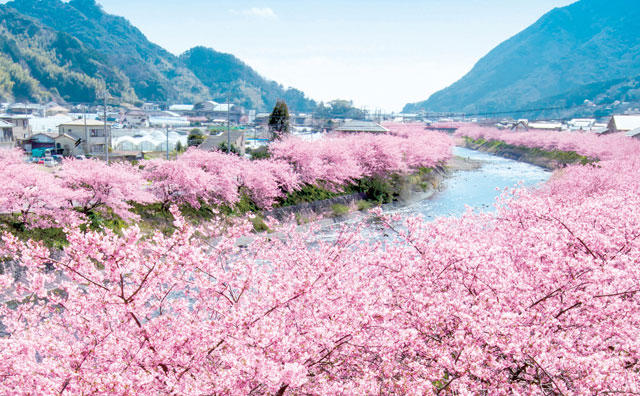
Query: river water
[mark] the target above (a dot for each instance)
(477, 188)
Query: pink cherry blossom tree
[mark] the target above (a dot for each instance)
(101, 187)
(35, 196)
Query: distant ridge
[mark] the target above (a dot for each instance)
(80, 37)
(589, 50)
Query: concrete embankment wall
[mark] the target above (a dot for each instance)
(315, 208)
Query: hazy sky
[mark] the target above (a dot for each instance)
(380, 54)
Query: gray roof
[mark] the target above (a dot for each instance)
(600, 131)
(362, 126)
(213, 142)
(633, 133)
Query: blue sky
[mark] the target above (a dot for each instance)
(380, 54)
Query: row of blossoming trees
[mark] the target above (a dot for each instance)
(198, 177)
(590, 145)
(541, 297)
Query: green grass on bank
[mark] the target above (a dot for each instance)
(156, 217)
(559, 156)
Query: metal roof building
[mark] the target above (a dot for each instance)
(362, 126)
(624, 123)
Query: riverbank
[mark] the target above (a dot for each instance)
(404, 189)
(550, 160)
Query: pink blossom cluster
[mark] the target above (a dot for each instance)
(216, 178)
(212, 178)
(42, 198)
(339, 159)
(587, 144)
(541, 297)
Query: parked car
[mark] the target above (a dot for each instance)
(80, 157)
(58, 158)
(40, 161)
(49, 162)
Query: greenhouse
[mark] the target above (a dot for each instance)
(154, 140)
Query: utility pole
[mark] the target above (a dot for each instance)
(167, 142)
(228, 124)
(106, 133)
(86, 132)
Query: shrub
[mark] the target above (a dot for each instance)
(339, 210)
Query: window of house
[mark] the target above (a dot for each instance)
(96, 148)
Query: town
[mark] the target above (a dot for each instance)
(50, 132)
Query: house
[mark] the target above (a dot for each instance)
(21, 128)
(68, 145)
(520, 125)
(93, 135)
(214, 142)
(136, 119)
(55, 110)
(39, 143)
(21, 108)
(624, 123)
(362, 126)
(545, 126)
(222, 111)
(150, 107)
(581, 124)
(6, 135)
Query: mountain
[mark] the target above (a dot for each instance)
(81, 38)
(572, 54)
(223, 73)
(155, 74)
(39, 64)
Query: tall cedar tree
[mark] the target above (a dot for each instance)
(279, 120)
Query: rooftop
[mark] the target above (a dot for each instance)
(362, 126)
(633, 133)
(80, 122)
(627, 122)
(213, 142)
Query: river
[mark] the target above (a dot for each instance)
(477, 188)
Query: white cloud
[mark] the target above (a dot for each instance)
(265, 12)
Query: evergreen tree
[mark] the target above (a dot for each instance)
(279, 120)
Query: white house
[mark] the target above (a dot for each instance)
(137, 119)
(150, 107)
(582, 124)
(6, 134)
(624, 123)
(21, 129)
(93, 136)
